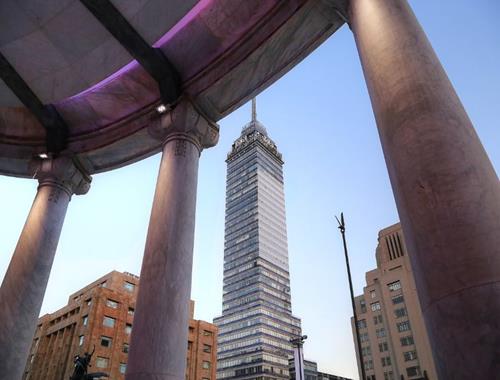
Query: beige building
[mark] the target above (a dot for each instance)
(393, 337)
(101, 315)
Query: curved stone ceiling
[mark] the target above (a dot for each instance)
(225, 52)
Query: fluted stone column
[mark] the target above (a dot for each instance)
(24, 284)
(446, 190)
(159, 338)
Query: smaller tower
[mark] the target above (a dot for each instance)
(393, 335)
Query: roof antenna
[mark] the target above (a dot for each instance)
(254, 109)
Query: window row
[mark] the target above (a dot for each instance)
(102, 362)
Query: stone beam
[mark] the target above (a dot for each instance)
(151, 59)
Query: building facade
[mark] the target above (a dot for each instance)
(101, 316)
(257, 322)
(393, 336)
(202, 350)
(311, 372)
(329, 376)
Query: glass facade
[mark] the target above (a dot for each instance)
(257, 322)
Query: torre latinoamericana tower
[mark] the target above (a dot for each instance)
(257, 322)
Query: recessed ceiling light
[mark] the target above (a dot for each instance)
(43, 156)
(162, 108)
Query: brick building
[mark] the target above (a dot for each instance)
(101, 315)
(202, 350)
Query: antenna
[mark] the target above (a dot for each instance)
(254, 109)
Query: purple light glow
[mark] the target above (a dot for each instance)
(188, 17)
(106, 80)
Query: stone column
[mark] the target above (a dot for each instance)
(158, 348)
(24, 284)
(446, 190)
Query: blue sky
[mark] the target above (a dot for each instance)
(320, 116)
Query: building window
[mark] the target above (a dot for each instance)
(365, 351)
(103, 284)
(123, 367)
(369, 364)
(393, 286)
(403, 326)
(398, 313)
(128, 328)
(205, 365)
(112, 304)
(373, 294)
(81, 339)
(207, 333)
(106, 341)
(363, 337)
(380, 333)
(362, 324)
(389, 375)
(131, 311)
(101, 362)
(362, 304)
(398, 299)
(125, 348)
(85, 320)
(207, 348)
(89, 302)
(382, 347)
(386, 361)
(410, 355)
(129, 286)
(108, 322)
(375, 306)
(413, 371)
(377, 319)
(407, 340)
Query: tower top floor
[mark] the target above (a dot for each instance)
(254, 133)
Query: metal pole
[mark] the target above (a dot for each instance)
(358, 340)
(298, 343)
(300, 361)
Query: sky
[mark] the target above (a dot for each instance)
(319, 115)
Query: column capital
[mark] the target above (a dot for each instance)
(64, 173)
(186, 121)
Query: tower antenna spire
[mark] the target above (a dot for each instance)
(254, 109)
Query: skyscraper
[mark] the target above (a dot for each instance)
(257, 322)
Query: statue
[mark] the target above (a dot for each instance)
(81, 366)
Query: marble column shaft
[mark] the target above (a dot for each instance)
(446, 190)
(25, 281)
(158, 348)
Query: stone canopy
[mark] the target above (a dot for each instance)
(223, 52)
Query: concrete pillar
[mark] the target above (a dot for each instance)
(24, 284)
(158, 348)
(446, 190)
